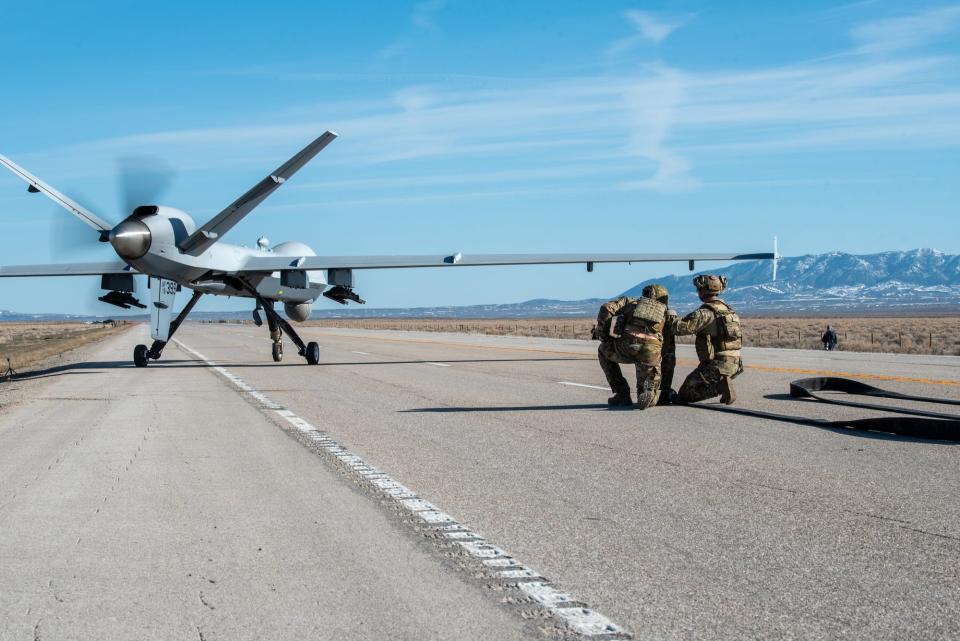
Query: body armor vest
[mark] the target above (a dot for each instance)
(640, 326)
(723, 337)
(647, 314)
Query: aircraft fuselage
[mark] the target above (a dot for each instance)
(148, 240)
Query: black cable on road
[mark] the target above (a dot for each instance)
(917, 423)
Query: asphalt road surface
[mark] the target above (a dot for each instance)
(438, 486)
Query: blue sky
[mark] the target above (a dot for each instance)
(490, 127)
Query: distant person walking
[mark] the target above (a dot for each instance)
(829, 339)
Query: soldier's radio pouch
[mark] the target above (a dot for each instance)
(728, 326)
(617, 323)
(739, 369)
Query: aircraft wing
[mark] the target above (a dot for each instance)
(290, 263)
(35, 185)
(213, 229)
(68, 269)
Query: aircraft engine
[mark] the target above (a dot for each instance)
(298, 312)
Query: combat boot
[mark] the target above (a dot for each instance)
(648, 394)
(620, 399)
(727, 394)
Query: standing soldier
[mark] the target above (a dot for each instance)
(631, 331)
(718, 344)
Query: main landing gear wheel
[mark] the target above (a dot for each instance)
(312, 353)
(140, 356)
(277, 352)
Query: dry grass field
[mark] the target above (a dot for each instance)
(934, 335)
(22, 344)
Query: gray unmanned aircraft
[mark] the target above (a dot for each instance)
(166, 245)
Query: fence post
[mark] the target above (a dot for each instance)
(931, 340)
(900, 338)
(798, 338)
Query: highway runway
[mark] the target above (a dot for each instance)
(439, 486)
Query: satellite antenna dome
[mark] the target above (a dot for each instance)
(263, 243)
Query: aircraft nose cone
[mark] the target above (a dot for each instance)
(130, 239)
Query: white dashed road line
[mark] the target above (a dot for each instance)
(566, 609)
(436, 364)
(362, 353)
(605, 389)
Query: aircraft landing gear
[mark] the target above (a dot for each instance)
(312, 353)
(279, 326)
(140, 356)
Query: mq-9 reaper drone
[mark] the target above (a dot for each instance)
(167, 246)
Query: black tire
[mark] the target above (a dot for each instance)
(140, 358)
(312, 353)
(277, 352)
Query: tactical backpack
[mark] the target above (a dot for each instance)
(643, 315)
(639, 331)
(729, 336)
(648, 314)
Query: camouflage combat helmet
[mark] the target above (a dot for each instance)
(709, 284)
(657, 292)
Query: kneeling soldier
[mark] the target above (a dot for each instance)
(718, 344)
(631, 331)
(669, 350)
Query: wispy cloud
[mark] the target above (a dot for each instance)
(649, 27)
(395, 49)
(423, 13)
(422, 19)
(906, 32)
(647, 129)
(653, 108)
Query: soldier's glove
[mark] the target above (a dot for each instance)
(595, 333)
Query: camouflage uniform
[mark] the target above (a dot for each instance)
(718, 343)
(668, 361)
(641, 343)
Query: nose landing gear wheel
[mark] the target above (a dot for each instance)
(312, 353)
(140, 356)
(277, 352)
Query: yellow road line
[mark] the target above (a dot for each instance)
(759, 368)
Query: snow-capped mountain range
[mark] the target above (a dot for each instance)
(918, 280)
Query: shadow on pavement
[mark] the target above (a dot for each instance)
(296, 361)
(508, 408)
(887, 428)
(454, 361)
